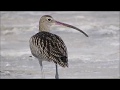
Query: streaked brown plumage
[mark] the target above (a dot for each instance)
(50, 47)
(46, 46)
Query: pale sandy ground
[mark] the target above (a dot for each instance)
(94, 57)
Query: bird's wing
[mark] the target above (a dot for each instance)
(56, 50)
(54, 46)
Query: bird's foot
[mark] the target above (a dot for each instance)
(56, 76)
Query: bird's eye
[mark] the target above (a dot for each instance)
(49, 19)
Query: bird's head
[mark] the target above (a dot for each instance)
(46, 21)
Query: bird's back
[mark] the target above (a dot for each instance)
(50, 47)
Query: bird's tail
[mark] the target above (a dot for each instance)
(63, 61)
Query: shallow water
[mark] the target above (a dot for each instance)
(96, 56)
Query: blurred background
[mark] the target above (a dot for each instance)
(96, 56)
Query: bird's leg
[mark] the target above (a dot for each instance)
(40, 62)
(56, 75)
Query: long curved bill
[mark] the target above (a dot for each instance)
(70, 26)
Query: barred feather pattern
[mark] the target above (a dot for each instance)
(50, 47)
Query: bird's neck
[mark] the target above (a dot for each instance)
(42, 27)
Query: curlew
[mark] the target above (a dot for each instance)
(46, 46)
